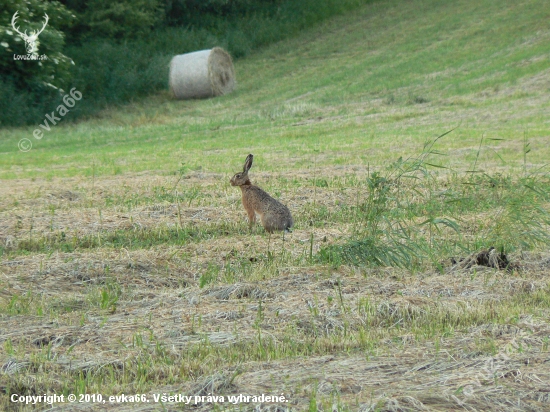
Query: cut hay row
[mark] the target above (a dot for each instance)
(402, 369)
(233, 311)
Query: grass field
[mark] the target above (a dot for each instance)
(127, 265)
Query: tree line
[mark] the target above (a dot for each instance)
(116, 51)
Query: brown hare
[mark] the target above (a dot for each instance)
(273, 214)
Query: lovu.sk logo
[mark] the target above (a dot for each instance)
(31, 40)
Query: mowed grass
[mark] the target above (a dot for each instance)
(127, 265)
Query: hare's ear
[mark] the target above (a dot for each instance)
(248, 163)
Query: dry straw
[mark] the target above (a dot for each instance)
(201, 74)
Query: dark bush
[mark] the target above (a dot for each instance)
(28, 87)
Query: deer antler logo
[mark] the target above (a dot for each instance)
(31, 40)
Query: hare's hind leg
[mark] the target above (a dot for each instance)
(269, 224)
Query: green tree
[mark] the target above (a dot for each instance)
(119, 19)
(53, 73)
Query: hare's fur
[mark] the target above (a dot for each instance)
(273, 214)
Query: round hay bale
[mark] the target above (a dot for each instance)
(201, 74)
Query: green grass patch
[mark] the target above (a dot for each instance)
(329, 90)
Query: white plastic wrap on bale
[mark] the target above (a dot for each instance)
(201, 74)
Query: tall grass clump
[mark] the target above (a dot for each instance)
(405, 219)
(383, 235)
(522, 220)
